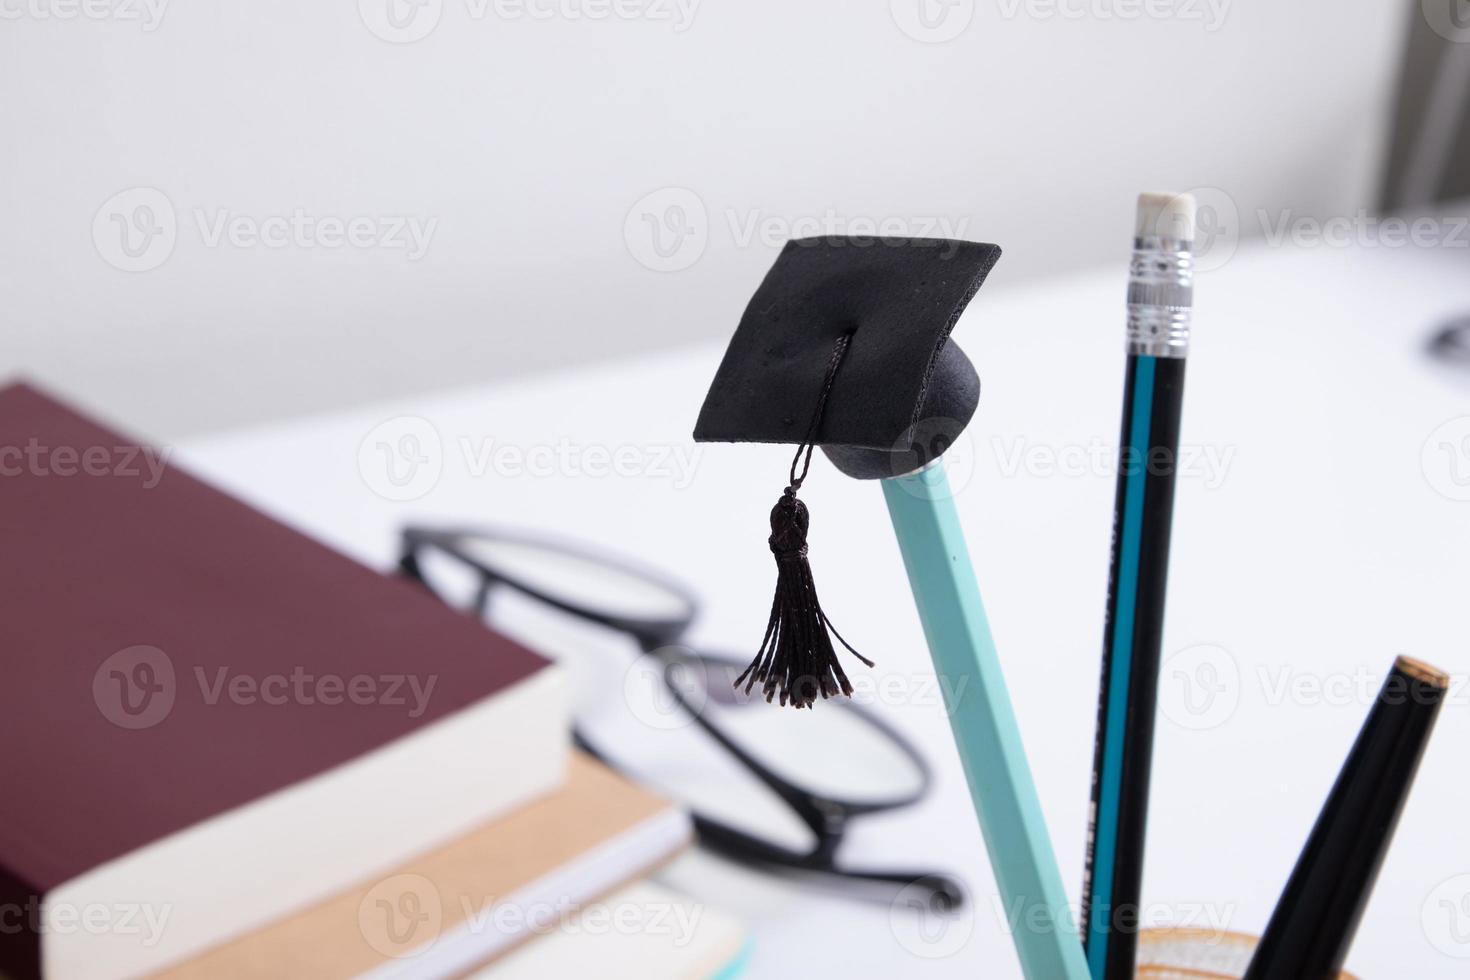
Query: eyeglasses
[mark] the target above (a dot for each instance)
(775, 789)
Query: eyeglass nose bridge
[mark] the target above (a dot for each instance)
(830, 826)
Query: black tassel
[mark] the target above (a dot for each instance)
(796, 658)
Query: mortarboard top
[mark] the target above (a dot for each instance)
(897, 299)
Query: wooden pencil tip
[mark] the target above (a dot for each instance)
(1421, 671)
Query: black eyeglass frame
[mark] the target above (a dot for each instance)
(826, 816)
(1451, 343)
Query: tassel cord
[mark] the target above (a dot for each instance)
(796, 660)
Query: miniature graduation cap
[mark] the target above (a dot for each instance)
(845, 346)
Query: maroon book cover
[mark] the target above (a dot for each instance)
(171, 654)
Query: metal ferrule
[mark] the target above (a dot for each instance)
(1160, 296)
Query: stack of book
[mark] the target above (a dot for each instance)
(233, 752)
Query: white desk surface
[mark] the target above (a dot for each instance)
(1324, 539)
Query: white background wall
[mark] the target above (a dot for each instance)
(531, 144)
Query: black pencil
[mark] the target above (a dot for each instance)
(1318, 912)
(1160, 299)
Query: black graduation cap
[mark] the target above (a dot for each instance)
(896, 300)
(845, 345)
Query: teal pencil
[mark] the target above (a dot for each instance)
(985, 731)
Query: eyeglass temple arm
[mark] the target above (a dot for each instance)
(824, 822)
(943, 890)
